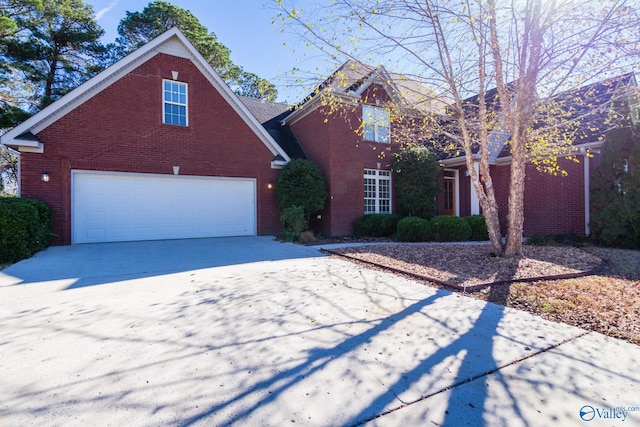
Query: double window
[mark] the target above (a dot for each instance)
(375, 123)
(174, 103)
(377, 191)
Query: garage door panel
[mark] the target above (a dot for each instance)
(121, 207)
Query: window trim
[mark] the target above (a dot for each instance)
(185, 105)
(377, 123)
(377, 175)
(454, 176)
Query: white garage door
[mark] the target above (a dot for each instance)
(112, 207)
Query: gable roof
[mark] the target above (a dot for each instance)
(24, 136)
(588, 108)
(352, 78)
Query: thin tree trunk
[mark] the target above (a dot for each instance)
(515, 214)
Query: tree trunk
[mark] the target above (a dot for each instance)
(515, 214)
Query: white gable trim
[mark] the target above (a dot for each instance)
(378, 76)
(172, 42)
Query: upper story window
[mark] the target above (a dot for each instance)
(375, 124)
(174, 103)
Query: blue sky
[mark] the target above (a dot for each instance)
(245, 27)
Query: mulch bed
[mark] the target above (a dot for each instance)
(607, 301)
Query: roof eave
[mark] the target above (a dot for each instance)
(93, 86)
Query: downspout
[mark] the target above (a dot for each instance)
(587, 195)
(19, 173)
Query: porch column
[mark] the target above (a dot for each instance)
(475, 202)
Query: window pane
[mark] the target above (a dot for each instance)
(375, 124)
(383, 135)
(175, 103)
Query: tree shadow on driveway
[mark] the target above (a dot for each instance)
(96, 264)
(316, 342)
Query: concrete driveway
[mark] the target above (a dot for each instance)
(249, 331)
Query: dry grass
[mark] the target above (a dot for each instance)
(608, 302)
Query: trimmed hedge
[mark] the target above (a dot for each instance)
(376, 225)
(25, 228)
(447, 228)
(414, 229)
(478, 227)
(300, 184)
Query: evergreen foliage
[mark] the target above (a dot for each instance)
(25, 228)
(137, 28)
(417, 181)
(615, 191)
(55, 47)
(376, 225)
(301, 185)
(478, 227)
(446, 228)
(414, 229)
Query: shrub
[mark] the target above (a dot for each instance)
(293, 219)
(478, 227)
(25, 228)
(307, 238)
(376, 225)
(615, 191)
(446, 228)
(414, 229)
(301, 184)
(417, 181)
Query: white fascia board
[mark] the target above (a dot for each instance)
(278, 164)
(85, 91)
(233, 100)
(577, 149)
(172, 42)
(314, 103)
(458, 161)
(39, 148)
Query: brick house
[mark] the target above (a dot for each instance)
(553, 204)
(355, 158)
(157, 146)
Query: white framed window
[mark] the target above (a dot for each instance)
(377, 191)
(375, 122)
(174, 103)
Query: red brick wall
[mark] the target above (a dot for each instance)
(553, 204)
(342, 155)
(121, 129)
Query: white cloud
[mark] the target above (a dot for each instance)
(104, 10)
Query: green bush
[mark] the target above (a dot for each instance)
(446, 228)
(376, 225)
(301, 184)
(417, 181)
(293, 219)
(25, 228)
(478, 227)
(615, 191)
(414, 229)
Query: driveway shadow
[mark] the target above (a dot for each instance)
(97, 264)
